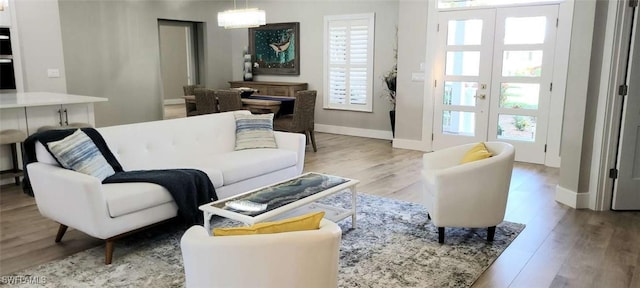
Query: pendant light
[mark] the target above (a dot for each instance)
(241, 18)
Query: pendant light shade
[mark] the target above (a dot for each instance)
(241, 18)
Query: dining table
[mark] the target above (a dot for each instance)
(257, 104)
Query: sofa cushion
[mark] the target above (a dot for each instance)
(78, 152)
(477, 152)
(126, 198)
(245, 164)
(44, 156)
(214, 173)
(169, 143)
(254, 131)
(310, 221)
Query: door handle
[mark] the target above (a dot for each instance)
(60, 117)
(66, 117)
(481, 96)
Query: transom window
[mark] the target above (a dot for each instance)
(448, 4)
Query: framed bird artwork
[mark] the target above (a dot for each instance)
(275, 49)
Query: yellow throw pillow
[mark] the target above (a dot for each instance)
(478, 152)
(309, 221)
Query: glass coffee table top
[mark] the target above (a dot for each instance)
(284, 193)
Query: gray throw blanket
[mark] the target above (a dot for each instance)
(189, 188)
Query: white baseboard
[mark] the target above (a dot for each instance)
(409, 144)
(351, 131)
(173, 101)
(571, 198)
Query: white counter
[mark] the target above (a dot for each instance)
(31, 99)
(29, 111)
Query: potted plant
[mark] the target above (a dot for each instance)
(390, 81)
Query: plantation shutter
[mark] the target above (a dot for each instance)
(349, 49)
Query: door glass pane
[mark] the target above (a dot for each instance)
(525, 30)
(458, 123)
(460, 93)
(463, 63)
(522, 63)
(519, 95)
(516, 127)
(464, 32)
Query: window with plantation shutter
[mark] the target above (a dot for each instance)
(348, 63)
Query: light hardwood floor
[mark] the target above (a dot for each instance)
(560, 246)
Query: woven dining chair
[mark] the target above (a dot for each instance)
(189, 89)
(206, 102)
(302, 119)
(228, 100)
(191, 108)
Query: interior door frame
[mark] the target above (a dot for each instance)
(614, 66)
(560, 68)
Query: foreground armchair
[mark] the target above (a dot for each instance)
(290, 259)
(471, 195)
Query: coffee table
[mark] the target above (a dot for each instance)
(288, 198)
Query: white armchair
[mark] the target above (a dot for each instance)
(290, 259)
(471, 195)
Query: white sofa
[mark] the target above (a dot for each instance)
(205, 142)
(291, 259)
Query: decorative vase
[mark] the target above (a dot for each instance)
(247, 73)
(392, 118)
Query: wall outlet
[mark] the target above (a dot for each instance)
(53, 73)
(421, 66)
(417, 77)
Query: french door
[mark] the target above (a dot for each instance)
(465, 52)
(494, 78)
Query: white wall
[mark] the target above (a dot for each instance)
(112, 51)
(174, 59)
(38, 24)
(311, 14)
(412, 42)
(595, 74)
(577, 89)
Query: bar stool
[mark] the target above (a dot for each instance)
(13, 137)
(69, 126)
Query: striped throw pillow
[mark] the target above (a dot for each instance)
(78, 152)
(254, 131)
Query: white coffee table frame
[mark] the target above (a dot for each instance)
(297, 207)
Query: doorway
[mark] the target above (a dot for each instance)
(494, 78)
(626, 174)
(178, 42)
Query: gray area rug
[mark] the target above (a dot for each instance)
(393, 246)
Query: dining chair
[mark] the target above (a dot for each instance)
(206, 102)
(190, 107)
(302, 119)
(189, 89)
(228, 100)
